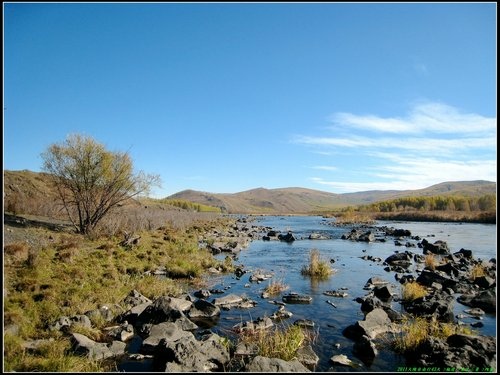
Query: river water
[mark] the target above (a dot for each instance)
(285, 260)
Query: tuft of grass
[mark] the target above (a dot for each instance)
(281, 343)
(413, 290)
(275, 287)
(414, 331)
(477, 271)
(317, 267)
(430, 261)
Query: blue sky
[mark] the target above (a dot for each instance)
(226, 97)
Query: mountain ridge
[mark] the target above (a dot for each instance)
(304, 200)
(26, 188)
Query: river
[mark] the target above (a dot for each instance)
(285, 260)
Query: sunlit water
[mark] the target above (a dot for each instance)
(285, 260)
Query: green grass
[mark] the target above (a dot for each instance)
(281, 343)
(317, 267)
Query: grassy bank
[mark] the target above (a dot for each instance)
(49, 274)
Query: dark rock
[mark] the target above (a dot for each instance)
(383, 293)
(464, 253)
(191, 355)
(484, 281)
(439, 305)
(203, 309)
(202, 293)
(365, 349)
(399, 259)
(438, 247)
(286, 237)
(449, 269)
(164, 309)
(296, 298)
(428, 277)
(485, 300)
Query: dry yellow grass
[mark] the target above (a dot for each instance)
(431, 261)
(276, 287)
(477, 271)
(414, 331)
(412, 291)
(317, 267)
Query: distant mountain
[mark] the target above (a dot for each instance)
(300, 200)
(26, 189)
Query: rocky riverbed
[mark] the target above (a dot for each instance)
(174, 334)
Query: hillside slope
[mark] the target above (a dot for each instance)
(300, 200)
(25, 188)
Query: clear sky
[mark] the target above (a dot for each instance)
(226, 97)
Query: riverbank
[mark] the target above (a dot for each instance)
(145, 301)
(367, 217)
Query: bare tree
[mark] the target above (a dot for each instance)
(91, 180)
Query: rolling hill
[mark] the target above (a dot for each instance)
(26, 188)
(300, 200)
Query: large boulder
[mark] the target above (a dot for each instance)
(399, 259)
(376, 322)
(485, 300)
(203, 309)
(286, 237)
(170, 331)
(438, 247)
(266, 365)
(428, 278)
(164, 309)
(190, 355)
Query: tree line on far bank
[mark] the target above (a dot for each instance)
(484, 203)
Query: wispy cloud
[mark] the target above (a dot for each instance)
(425, 117)
(433, 143)
(428, 145)
(410, 174)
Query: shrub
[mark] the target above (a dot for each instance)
(316, 267)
